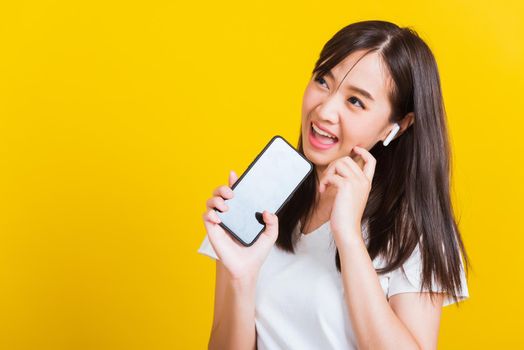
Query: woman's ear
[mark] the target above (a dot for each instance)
(405, 123)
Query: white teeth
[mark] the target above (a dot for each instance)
(318, 131)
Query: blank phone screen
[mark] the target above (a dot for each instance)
(267, 184)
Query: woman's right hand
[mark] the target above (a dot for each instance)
(242, 263)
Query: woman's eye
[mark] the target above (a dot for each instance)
(320, 80)
(353, 98)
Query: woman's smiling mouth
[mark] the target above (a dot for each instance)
(318, 139)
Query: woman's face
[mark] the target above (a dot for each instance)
(334, 103)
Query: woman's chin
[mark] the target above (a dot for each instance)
(320, 161)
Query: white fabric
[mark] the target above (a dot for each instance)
(300, 297)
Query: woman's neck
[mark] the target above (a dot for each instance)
(321, 211)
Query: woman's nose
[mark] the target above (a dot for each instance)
(329, 109)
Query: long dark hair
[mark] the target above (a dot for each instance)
(409, 202)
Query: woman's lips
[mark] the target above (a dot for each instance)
(316, 143)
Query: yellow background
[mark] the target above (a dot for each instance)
(119, 118)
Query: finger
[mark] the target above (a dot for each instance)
(352, 164)
(219, 239)
(215, 231)
(369, 162)
(211, 217)
(343, 169)
(217, 203)
(360, 162)
(336, 167)
(335, 180)
(325, 174)
(224, 192)
(232, 178)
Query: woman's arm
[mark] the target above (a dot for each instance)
(234, 315)
(237, 270)
(408, 321)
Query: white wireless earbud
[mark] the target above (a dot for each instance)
(391, 135)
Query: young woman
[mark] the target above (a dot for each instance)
(367, 251)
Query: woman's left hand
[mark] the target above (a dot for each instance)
(352, 184)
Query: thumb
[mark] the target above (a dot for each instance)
(232, 178)
(271, 230)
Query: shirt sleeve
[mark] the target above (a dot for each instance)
(207, 249)
(408, 278)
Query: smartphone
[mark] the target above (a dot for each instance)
(267, 184)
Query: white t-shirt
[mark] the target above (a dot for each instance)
(299, 298)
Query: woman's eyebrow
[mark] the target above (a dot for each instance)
(353, 87)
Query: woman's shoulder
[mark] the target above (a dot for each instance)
(407, 278)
